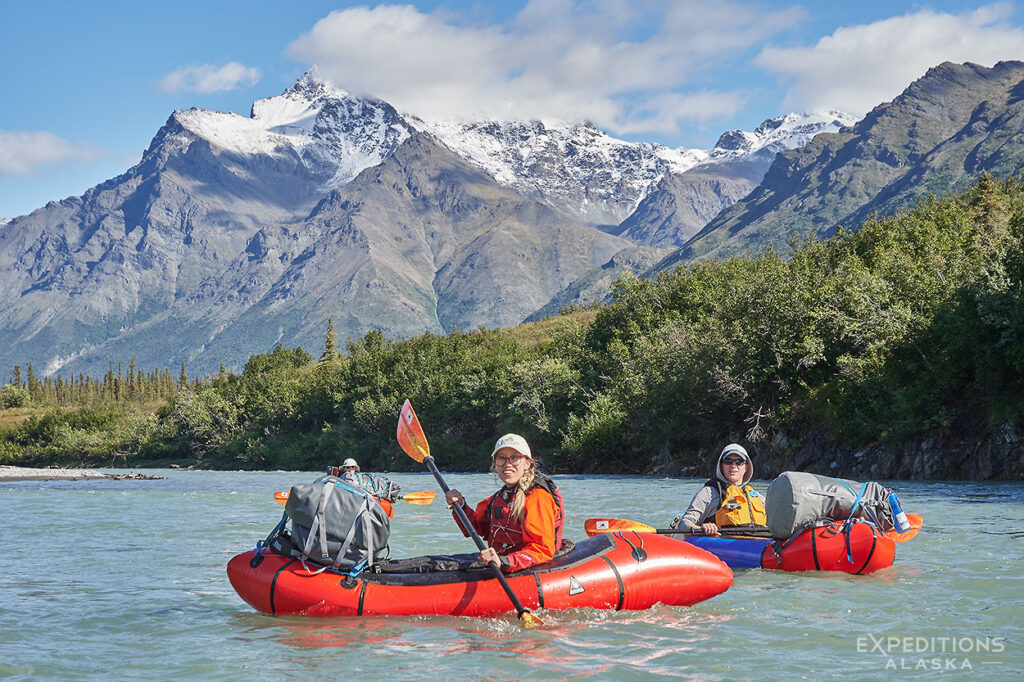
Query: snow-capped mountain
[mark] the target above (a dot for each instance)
(680, 204)
(571, 166)
(335, 134)
(596, 177)
(235, 233)
(780, 134)
(4, 221)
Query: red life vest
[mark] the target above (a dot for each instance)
(506, 532)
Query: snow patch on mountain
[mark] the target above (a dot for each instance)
(571, 165)
(780, 134)
(336, 134)
(597, 176)
(4, 221)
(506, 149)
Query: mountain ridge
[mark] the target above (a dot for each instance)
(929, 139)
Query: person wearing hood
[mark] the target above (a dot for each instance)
(728, 499)
(521, 523)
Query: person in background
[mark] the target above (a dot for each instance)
(350, 471)
(379, 486)
(728, 499)
(522, 523)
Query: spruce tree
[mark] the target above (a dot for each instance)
(132, 385)
(35, 389)
(330, 343)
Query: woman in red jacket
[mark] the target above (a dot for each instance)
(522, 523)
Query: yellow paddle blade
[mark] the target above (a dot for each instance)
(410, 434)
(421, 497)
(599, 526)
(528, 620)
(281, 496)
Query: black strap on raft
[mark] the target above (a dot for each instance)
(874, 543)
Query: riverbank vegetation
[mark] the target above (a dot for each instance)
(908, 325)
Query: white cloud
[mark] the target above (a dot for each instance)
(668, 112)
(208, 78)
(858, 67)
(24, 152)
(611, 62)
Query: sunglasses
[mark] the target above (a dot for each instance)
(514, 460)
(734, 462)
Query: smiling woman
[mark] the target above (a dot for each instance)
(522, 523)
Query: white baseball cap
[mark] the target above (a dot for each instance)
(350, 463)
(735, 449)
(514, 441)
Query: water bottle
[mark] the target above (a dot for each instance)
(899, 517)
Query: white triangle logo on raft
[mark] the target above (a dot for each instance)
(574, 586)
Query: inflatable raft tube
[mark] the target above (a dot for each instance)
(814, 549)
(621, 571)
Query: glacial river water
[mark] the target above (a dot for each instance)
(125, 580)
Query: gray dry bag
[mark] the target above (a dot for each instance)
(336, 524)
(797, 500)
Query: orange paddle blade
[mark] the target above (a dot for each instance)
(281, 496)
(915, 528)
(410, 434)
(421, 497)
(599, 526)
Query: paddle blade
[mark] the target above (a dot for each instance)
(410, 434)
(528, 620)
(600, 526)
(281, 496)
(421, 497)
(915, 528)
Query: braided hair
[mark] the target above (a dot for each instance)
(524, 485)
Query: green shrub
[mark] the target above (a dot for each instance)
(14, 396)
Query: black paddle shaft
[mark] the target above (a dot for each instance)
(753, 532)
(464, 520)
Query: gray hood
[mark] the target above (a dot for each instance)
(734, 449)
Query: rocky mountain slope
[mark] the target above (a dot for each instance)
(937, 137)
(583, 171)
(236, 233)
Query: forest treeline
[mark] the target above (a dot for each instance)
(910, 325)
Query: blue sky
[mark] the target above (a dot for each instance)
(85, 86)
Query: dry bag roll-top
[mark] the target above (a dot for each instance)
(797, 500)
(334, 523)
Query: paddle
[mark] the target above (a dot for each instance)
(421, 497)
(418, 497)
(915, 528)
(414, 443)
(599, 526)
